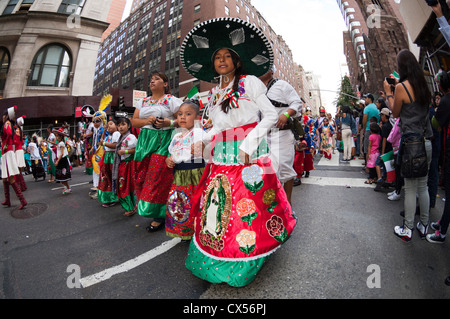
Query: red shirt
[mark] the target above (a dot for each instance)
(7, 138)
(17, 140)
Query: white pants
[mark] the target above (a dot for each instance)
(95, 178)
(282, 154)
(347, 140)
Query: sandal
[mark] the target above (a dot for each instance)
(369, 181)
(130, 213)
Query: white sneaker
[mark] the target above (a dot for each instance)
(390, 193)
(403, 232)
(423, 230)
(395, 196)
(67, 191)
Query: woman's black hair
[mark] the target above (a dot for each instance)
(164, 78)
(382, 103)
(409, 69)
(125, 120)
(237, 75)
(346, 109)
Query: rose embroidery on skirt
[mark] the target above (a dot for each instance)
(252, 178)
(246, 240)
(276, 228)
(246, 209)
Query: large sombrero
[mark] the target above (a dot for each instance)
(245, 39)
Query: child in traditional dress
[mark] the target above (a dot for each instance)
(62, 163)
(241, 210)
(326, 138)
(188, 170)
(122, 170)
(105, 192)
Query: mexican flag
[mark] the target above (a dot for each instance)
(389, 163)
(195, 95)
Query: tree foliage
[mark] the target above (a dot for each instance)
(346, 94)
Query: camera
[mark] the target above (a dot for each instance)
(432, 3)
(390, 80)
(157, 120)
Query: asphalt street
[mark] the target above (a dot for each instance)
(342, 248)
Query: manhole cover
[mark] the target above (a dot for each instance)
(30, 211)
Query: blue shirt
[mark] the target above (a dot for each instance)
(371, 110)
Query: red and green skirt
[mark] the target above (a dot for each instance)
(105, 186)
(242, 214)
(153, 179)
(125, 184)
(179, 220)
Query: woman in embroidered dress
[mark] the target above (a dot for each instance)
(188, 170)
(10, 169)
(106, 196)
(242, 212)
(154, 115)
(62, 163)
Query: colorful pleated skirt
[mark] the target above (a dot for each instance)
(105, 186)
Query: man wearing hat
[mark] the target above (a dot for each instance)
(370, 111)
(287, 103)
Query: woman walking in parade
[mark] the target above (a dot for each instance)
(10, 169)
(154, 115)
(51, 141)
(62, 163)
(242, 212)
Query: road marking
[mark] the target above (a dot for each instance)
(128, 265)
(54, 189)
(336, 181)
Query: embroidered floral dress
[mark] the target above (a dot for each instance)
(242, 213)
(125, 182)
(187, 174)
(153, 178)
(105, 187)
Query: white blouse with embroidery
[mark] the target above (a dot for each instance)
(254, 106)
(180, 147)
(165, 107)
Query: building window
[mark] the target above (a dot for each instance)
(197, 8)
(71, 6)
(10, 6)
(4, 66)
(227, 11)
(51, 67)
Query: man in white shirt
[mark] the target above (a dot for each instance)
(287, 103)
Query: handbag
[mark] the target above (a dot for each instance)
(414, 161)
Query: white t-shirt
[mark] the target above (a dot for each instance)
(180, 147)
(284, 93)
(128, 144)
(58, 150)
(165, 107)
(112, 138)
(34, 151)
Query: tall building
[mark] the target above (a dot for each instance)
(48, 51)
(150, 39)
(376, 34)
(114, 16)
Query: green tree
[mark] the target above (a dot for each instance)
(346, 94)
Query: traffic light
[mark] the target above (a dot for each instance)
(310, 95)
(121, 102)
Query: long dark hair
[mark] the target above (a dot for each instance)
(409, 69)
(237, 75)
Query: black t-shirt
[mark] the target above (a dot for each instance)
(443, 117)
(385, 131)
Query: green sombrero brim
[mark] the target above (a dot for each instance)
(245, 39)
